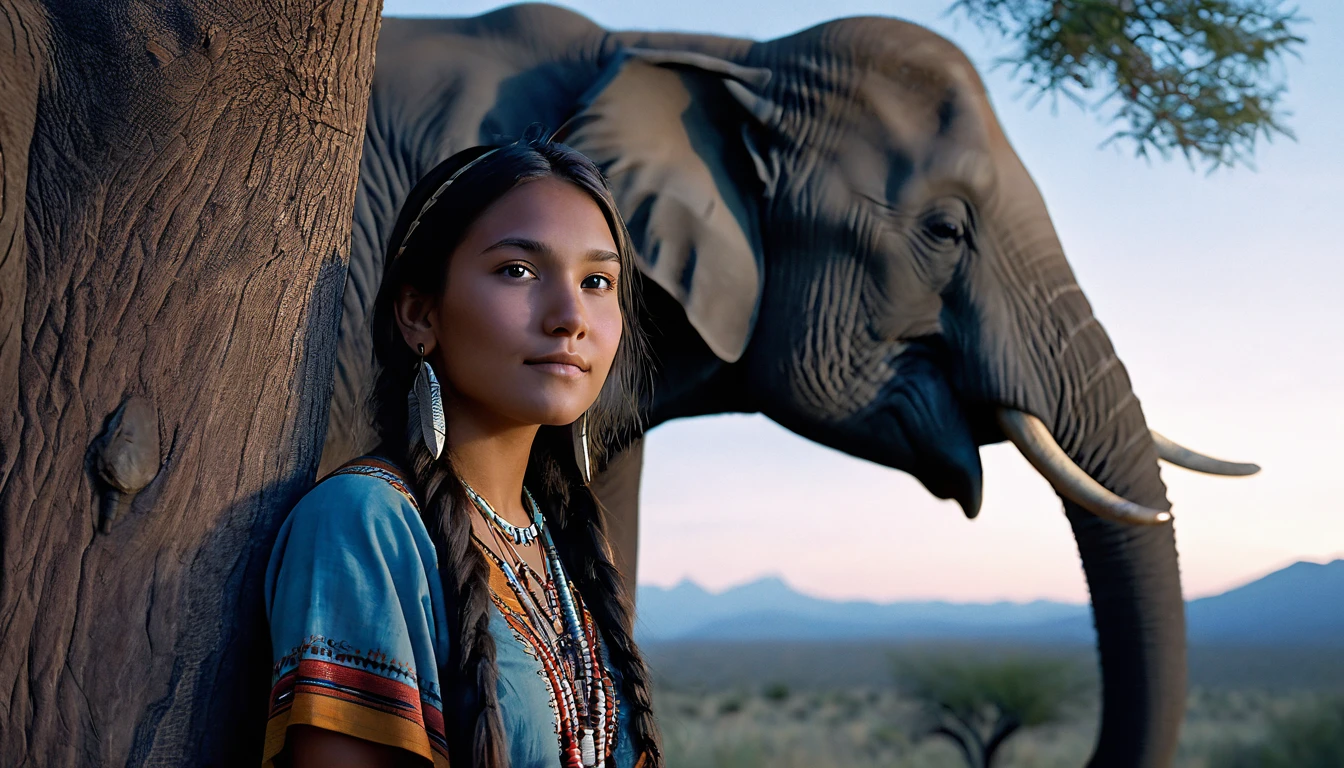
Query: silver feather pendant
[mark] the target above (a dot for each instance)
(425, 407)
(579, 433)
(413, 415)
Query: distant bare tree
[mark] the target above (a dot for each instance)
(1194, 76)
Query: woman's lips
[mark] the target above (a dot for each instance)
(565, 370)
(561, 363)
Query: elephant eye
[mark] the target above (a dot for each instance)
(945, 228)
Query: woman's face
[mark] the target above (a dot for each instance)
(528, 323)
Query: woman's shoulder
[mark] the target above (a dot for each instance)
(368, 476)
(368, 496)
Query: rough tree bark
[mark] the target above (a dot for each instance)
(175, 207)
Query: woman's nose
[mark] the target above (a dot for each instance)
(565, 314)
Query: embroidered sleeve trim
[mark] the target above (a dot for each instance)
(357, 703)
(342, 653)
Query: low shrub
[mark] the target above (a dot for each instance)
(1311, 737)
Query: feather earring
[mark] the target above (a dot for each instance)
(579, 432)
(424, 408)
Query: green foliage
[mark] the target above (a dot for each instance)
(979, 704)
(1312, 737)
(730, 706)
(1194, 76)
(1034, 691)
(777, 692)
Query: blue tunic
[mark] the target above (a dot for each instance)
(358, 627)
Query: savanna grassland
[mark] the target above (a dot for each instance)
(820, 705)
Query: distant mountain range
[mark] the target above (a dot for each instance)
(1301, 605)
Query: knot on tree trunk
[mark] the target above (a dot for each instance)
(126, 457)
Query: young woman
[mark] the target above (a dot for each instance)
(452, 599)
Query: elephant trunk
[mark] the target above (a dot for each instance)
(1131, 570)
(1140, 620)
(1033, 344)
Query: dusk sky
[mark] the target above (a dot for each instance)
(1223, 295)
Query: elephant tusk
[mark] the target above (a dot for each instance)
(1069, 480)
(1175, 453)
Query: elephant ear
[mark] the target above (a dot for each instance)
(673, 132)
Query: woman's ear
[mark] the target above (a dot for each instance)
(670, 130)
(416, 318)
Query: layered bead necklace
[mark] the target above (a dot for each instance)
(523, 536)
(561, 635)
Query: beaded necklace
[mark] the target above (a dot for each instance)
(520, 535)
(561, 634)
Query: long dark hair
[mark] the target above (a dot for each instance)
(470, 675)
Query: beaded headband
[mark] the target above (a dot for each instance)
(434, 198)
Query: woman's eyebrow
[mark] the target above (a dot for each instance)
(523, 243)
(540, 248)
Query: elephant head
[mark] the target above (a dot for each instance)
(839, 236)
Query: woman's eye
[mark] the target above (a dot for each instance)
(517, 271)
(600, 282)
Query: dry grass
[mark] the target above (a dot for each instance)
(756, 720)
(868, 728)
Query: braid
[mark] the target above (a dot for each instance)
(471, 684)
(580, 525)
(613, 612)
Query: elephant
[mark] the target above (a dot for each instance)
(833, 231)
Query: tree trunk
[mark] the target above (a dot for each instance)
(178, 182)
(1006, 726)
(966, 739)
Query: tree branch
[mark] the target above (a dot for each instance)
(1199, 77)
